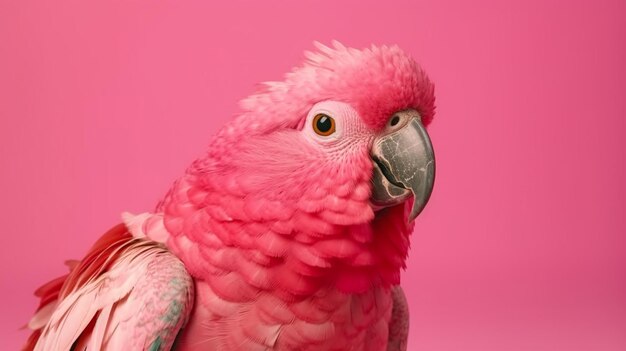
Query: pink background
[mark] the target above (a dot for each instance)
(523, 245)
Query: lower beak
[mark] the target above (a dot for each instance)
(404, 165)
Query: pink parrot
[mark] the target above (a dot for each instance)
(288, 234)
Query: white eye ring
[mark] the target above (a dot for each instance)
(332, 116)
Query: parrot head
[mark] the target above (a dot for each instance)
(327, 169)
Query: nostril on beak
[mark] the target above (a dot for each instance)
(394, 120)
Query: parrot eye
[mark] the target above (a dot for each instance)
(323, 124)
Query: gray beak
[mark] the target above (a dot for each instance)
(404, 163)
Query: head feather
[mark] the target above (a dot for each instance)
(376, 81)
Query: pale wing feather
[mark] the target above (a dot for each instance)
(42, 316)
(143, 284)
(78, 309)
(155, 310)
(99, 329)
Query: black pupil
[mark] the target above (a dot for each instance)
(395, 120)
(324, 124)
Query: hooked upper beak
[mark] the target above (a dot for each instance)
(404, 165)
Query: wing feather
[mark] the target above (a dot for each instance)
(127, 292)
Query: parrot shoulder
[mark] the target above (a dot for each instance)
(146, 225)
(127, 293)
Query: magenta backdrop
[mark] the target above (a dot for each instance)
(523, 245)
